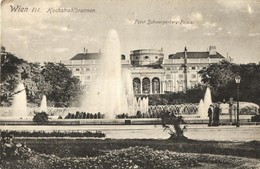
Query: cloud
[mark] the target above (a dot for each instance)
(209, 25)
(240, 5)
(208, 34)
(60, 50)
(249, 9)
(253, 34)
(65, 29)
(232, 4)
(176, 18)
(196, 17)
(190, 26)
(129, 21)
(131, 17)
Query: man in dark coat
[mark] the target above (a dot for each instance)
(216, 115)
(210, 114)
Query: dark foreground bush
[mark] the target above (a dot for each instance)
(40, 117)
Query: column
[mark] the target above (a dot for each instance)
(151, 86)
(171, 86)
(161, 87)
(141, 85)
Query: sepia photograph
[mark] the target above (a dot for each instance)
(130, 84)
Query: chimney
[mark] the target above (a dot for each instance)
(85, 50)
(185, 53)
(212, 50)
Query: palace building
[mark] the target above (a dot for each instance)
(152, 72)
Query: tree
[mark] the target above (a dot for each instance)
(196, 93)
(220, 77)
(11, 70)
(64, 87)
(51, 79)
(15, 71)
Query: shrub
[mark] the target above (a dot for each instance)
(40, 118)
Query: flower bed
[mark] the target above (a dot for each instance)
(148, 158)
(133, 157)
(138, 157)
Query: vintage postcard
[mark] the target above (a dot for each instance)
(130, 84)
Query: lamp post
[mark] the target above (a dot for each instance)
(237, 79)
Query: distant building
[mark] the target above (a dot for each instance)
(152, 73)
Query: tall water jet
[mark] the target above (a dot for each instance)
(147, 104)
(201, 108)
(127, 93)
(207, 102)
(19, 105)
(142, 105)
(43, 105)
(109, 94)
(135, 106)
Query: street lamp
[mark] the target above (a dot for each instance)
(237, 79)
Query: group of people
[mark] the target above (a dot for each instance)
(213, 114)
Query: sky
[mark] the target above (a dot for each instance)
(232, 26)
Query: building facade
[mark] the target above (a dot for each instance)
(152, 72)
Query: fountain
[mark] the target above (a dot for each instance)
(200, 108)
(43, 105)
(204, 105)
(110, 92)
(142, 105)
(19, 106)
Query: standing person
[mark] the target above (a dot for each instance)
(210, 114)
(217, 112)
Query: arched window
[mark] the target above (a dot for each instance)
(156, 85)
(137, 85)
(146, 85)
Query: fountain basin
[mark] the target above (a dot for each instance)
(189, 119)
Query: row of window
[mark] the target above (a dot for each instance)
(86, 77)
(83, 69)
(167, 68)
(193, 76)
(181, 76)
(147, 57)
(182, 68)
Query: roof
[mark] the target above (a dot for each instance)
(195, 55)
(90, 56)
(87, 56)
